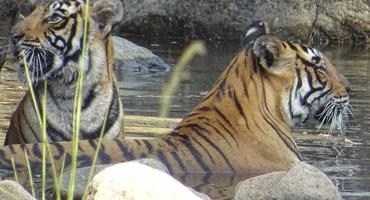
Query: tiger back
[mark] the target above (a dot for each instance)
(243, 126)
(49, 42)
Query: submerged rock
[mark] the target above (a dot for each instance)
(131, 56)
(12, 190)
(302, 181)
(135, 181)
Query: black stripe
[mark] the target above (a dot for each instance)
(114, 110)
(127, 154)
(299, 81)
(148, 146)
(240, 109)
(292, 46)
(53, 133)
(174, 154)
(308, 94)
(29, 125)
(304, 48)
(164, 160)
(309, 77)
(89, 98)
(191, 126)
(195, 153)
(206, 139)
(218, 132)
(224, 118)
(245, 89)
(227, 131)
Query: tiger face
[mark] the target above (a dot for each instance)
(42, 43)
(312, 85)
(51, 38)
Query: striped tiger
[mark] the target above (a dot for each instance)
(243, 125)
(49, 42)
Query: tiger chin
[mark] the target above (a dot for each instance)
(243, 125)
(49, 42)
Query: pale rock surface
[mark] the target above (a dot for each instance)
(84, 173)
(136, 181)
(301, 182)
(12, 190)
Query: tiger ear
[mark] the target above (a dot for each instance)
(107, 13)
(268, 49)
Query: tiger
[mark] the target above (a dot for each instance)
(242, 126)
(49, 42)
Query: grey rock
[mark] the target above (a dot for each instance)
(343, 20)
(302, 181)
(84, 173)
(320, 20)
(346, 20)
(131, 56)
(12, 190)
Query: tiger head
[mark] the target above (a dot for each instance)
(50, 40)
(311, 85)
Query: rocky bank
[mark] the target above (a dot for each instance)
(344, 21)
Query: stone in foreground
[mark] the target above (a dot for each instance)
(12, 190)
(301, 181)
(83, 174)
(136, 181)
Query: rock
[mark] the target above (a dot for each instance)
(329, 20)
(136, 181)
(301, 181)
(131, 56)
(12, 190)
(225, 19)
(84, 173)
(343, 20)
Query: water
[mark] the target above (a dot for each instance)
(347, 165)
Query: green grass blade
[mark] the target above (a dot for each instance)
(96, 152)
(30, 174)
(77, 107)
(14, 171)
(178, 74)
(44, 141)
(31, 90)
(62, 170)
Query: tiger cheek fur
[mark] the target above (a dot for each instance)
(49, 42)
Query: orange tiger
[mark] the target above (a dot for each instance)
(50, 42)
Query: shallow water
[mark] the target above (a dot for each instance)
(348, 165)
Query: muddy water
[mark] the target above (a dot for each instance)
(347, 164)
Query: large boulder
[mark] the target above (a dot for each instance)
(83, 175)
(345, 20)
(302, 181)
(328, 20)
(136, 181)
